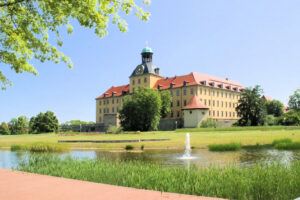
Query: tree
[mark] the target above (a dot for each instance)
(251, 108)
(18, 126)
(25, 27)
(294, 102)
(141, 111)
(44, 123)
(4, 129)
(77, 122)
(166, 100)
(274, 107)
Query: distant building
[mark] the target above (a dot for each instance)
(195, 96)
(268, 98)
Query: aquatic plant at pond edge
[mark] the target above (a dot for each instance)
(225, 147)
(262, 181)
(41, 147)
(286, 144)
(129, 147)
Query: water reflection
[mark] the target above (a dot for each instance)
(168, 158)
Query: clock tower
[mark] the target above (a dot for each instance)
(146, 73)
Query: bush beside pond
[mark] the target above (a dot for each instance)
(286, 144)
(265, 181)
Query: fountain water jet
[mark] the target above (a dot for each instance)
(187, 151)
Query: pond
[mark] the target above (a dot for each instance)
(203, 157)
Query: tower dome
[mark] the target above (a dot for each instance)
(147, 50)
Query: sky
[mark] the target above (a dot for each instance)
(252, 42)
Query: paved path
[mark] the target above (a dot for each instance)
(16, 185)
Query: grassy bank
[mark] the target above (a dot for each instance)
(273, 181)
(177, 139)
(225, 147)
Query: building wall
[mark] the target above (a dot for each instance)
(147, 80)
(110, 105)
(193, 118)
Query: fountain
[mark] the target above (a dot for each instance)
(187, 151)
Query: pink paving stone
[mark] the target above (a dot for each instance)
(16, 185)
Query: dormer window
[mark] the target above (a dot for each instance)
(105, 94)
(172, 85)
(203, 82)
(185, 83)
(124, 92)
(159, 87)
(113, 94)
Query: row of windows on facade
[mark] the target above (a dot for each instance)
(213, 103)
(213, 93)
(211, 113)
(106, 110)
(139, 81)
(106, 101)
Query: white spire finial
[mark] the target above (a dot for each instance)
(146, 43)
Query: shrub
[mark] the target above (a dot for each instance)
(138, 132)
(208, 123)
(270, 120)
(114, 129)
(291, 118)
(288, 146)
(225, 147)
(4, 129)
(129, 147)
(142, 147)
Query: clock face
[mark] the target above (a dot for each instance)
(139, 70)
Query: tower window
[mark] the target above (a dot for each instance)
(139, 81)
(100, 111)
(133, 82)
(100, 119)
(145, 80)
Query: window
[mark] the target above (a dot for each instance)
(221, 94)
(172, 114)
(233, 114)
(184, 92)
(178, 113)
(139, 81)
(217, 103)
(226, 114)
(200, 90)
(100, 119)
(132, 89)
(104, 102)
(172, 104)
(213, 113)
(213, 102)
(204, 91)
(171, 93)
(222, 114)
(107, 110)
(113, 110)
(99, 102)
(112, 101)
(107, 101)
(217, 93)
(178, 103)
(209, 102)
(213, 93)
(177, 92)
(191, 111)
(117, 109)
(204, 101)
(229, 114)
(133, 82)
(100, 111)
(208, 92)
(192, 90)
(226, 94)
(117, 100)
(226, 104)
(184, 102)
(145, 80)
(209, 113)
(218, 113)
(229, 104)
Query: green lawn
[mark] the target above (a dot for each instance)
(199, 138)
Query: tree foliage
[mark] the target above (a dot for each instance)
(292, 118)
(4, 129)
(166, 100)
(18, 126)
(142, 110)
(44, 123)
(294, 101)
(251, 108)
(274, 107)
(77, 122)
(25, 27)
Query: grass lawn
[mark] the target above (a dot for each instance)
(199, 138)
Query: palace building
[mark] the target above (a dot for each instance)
(195, 96)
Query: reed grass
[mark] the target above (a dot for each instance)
(129, 147)
(286, 144)
(283, 140)
(41, 147)
(268, 181)
(225, 147)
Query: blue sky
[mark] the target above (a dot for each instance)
(252, 42)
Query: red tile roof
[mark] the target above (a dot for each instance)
(195, 78)
(268, 98)
(195, 103)
(118, 91)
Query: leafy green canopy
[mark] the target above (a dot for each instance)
(25, 26)
(4, 129)
(44, 123)
(294, 102)
(18, 126)
(275, 108)
(251, 108)
(142, 110)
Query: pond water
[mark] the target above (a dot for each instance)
(203, 157)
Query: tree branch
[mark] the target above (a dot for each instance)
(11, 3)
